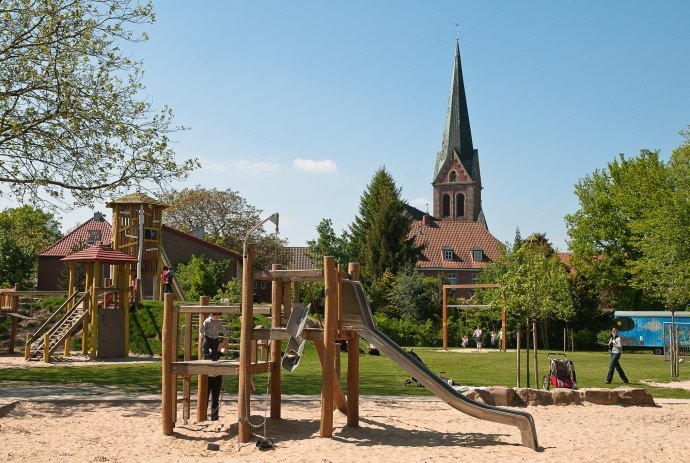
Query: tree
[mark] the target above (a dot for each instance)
(32, 228)
(327, 243)
(380, 235)
(605, 232)
(74, 125)
(201, 276)
(226, 217)
(16, 262)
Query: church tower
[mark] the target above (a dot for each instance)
(457, 181)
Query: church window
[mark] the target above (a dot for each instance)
(460, 205)
(453, 176)
(445, 212)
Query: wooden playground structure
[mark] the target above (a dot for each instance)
(260, 349)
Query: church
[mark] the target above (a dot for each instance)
(458, 242)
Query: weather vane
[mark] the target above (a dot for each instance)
(457, 31)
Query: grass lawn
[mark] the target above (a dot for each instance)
(380, 376)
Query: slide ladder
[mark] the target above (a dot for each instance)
(68, 324)
(356, 315)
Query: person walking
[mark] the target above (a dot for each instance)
(166, 280)
(616, 349)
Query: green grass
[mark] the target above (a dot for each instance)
(380, 376)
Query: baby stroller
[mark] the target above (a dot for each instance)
(561, 373)
(409, 381)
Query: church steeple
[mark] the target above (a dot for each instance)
(457, 180)
(457, 135)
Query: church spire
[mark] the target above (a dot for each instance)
(457, 136)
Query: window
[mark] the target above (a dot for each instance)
(475, 278)
(447, 254)
(256, 285)
(263, 284)
(477, 255)
(452, 278)
(92, 236)
(460, 205)
(445, 212)
(453, 176)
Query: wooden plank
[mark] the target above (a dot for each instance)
(227, 310)
(329, 335)
(219, 368)
(202, 380)
(11, 292)
(244, 432)
(276, 296)
(290, 275)
(472, 286)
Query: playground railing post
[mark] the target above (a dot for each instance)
(353, 364)
(276, 344)
(247, 325)
(166, 361)
(329, 335)
(202, 380)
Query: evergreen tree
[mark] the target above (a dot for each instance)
(380, 235)
(517, 241)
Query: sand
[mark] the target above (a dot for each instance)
(392, 429)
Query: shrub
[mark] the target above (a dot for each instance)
(201, 276)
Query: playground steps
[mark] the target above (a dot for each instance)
(68, 324)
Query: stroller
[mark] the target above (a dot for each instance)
(561, 373)
(409, 381)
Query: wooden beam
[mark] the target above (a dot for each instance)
(353, 365)
(202, 380)
(329, 335)
(167, 370)
(276, 296)
(472, 286)
(247, 325)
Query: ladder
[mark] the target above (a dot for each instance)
(69, 323)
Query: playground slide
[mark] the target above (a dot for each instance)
(356, 315)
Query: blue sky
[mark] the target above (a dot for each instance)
(296, 104)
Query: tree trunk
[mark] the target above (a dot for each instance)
(544, 326)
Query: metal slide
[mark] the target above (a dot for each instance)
(356, 315)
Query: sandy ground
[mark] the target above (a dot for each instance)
(392, 429)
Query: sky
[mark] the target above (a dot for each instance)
(296, 104)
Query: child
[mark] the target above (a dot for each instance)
(493, 338)
(465, 340)
(212, 330)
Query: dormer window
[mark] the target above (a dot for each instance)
(453, 176)
(447, 254)
(92, 236)
(477, 255)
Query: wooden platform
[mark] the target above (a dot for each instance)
(218, 368)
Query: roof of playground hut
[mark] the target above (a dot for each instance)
(100, 253)
(136, 198)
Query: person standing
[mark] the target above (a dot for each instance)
(616, 349)
(212, 331)
(478, 337)
(166, 280)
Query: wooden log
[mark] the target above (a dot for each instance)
(94, 308)
(46, 348)
(247, 324)
(339, 399)
(186, 381)
(537, 383)
(202, 380)
(329, 338)
(353, 364)
(167, 399)
(517, 350)
(68, 341)
(174, 352)
(445, 319)
(27, 347)
(276, 320)
(124, 298)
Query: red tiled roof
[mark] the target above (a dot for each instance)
(299, 259)
(68, 243)
(565, 258)
(459, 236)
(190, 237)
(101, 253)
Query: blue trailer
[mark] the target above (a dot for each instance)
(649, 329)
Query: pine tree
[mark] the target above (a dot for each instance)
(380, 235)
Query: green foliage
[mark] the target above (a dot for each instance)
(603, 336)
(416, 298)
(201, 276)
(379, 236)
(327, 244)
(17, 263)
(409, 333)
(75, 116)
(149, 316)
(232, 290)
(381, 295)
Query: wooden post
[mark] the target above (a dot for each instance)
(353, 365)
(174, 349)
(46, 348)
(167, 403)
(519, 336)
(297, 286)
(186, 383)
(27, 347)
(247, 325)
(68, 341)
(445, 319)
(122, 277)
(329, 333)
(527, 378)
(202, 380)
(87, 307)
(94, 308)
(13, 334)
(287, 302)
(276, 297)
(536, 356)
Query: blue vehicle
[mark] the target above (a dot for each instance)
(649, 329)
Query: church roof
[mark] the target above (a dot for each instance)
(460, 237)
(457, 135)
